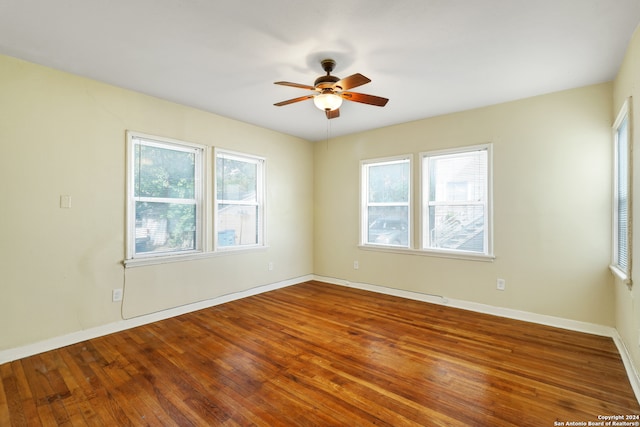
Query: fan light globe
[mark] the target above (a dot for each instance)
(327, 101)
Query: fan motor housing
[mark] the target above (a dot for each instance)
(325, 82)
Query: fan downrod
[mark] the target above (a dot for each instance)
(328, 65)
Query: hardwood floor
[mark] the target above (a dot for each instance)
(316, 354)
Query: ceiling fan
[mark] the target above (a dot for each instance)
(331, 90)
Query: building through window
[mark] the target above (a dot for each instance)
(239, 200)
(456, 194)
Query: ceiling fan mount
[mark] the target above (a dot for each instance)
(328, 65)
(331, 90)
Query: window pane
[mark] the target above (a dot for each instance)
(237, 225)
(622, 196)
(389, 182)
(457, 227)
(162, 172)
(456, 213)
(386, 201)
(388, 225)
(165, 227)
(239, 200)
(460, 177)
(164, 196)
(236, 179)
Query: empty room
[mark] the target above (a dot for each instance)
(291, 213)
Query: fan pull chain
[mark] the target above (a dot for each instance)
(328, 132)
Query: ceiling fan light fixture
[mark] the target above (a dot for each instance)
(327, 101)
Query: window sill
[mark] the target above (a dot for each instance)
(192, 256)
(432, 253)
(620, 274)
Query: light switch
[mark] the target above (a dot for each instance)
(65, 201)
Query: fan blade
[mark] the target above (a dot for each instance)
(298, 85)
(378, 101)
(352, 81)
(332, 114)
(291, 101)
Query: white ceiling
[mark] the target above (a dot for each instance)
(429, 57)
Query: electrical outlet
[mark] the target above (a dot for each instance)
(116, 295)
(356, 265)
(501, 284)
(270, 266)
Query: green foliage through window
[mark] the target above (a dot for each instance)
(165, 195)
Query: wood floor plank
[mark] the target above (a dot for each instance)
(83, 388)
(316, 354)
(10, 400)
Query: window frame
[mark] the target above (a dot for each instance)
(364, 202)
(425, 247)
(199, 151)
(621, 271)
(260, 202)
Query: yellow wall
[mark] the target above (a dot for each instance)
(627, 301)
(65, 135)
(552, 206)
(62, 134)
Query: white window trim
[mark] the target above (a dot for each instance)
(424, 205)
(467, 256)
(140, 262)
(364, 194)
(261, 178)
(131, 258)
(620, 273)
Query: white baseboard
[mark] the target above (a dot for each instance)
(558, 322)
(632, 372)
(542, 319)
(76, 337)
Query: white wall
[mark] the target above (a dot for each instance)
(65, 135)
(627, 301)
(552, 194)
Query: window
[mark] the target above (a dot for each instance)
(164, 196)
(456, 201)
(386, 199)
(239, 200)
(169, 204)
(621, 214)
